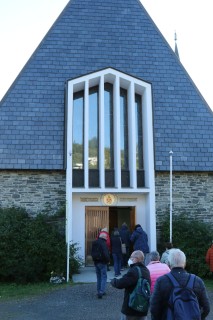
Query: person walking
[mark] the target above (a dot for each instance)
(156, 268)
(139, 239)
(108, 242)
(125, 238)
(100, 256)
(116, 251)
(163, 288)
(128, 282)
(209, 258)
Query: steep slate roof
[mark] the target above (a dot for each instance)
(90, 35)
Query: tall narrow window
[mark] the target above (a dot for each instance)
(78, 131)
(124, 130)
(78, 140)
(124, 152)
(108, 126)
(93, 128)
(93, 138)
(139, 136)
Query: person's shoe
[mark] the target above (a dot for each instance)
(104, 294)
(100, 295)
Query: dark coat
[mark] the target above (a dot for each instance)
(163, 288)
(105, 251)
(140, 240)
(128, 282)
(125, 235)
(116, 243)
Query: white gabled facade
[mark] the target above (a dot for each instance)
(140, 199)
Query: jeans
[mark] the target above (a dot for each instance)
(117, 258)
(101, 273)
(124, 317)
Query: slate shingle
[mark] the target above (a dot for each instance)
(90, 35)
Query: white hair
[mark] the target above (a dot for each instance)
(176, 258)
(139, 255)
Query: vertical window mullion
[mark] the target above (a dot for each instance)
(86, 133)
(116, 104)
(101, 135)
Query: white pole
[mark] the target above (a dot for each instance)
(68, 210)
(170, 153)
(68, 258)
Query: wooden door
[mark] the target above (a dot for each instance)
(96, 218)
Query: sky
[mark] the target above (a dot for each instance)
(24, 23)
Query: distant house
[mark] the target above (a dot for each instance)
(90, 122)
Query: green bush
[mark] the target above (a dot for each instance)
(75, 259)
(193, 237)
(30, 248)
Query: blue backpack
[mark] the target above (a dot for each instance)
(183, 303)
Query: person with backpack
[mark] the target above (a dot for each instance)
(179, 294)
(101, 257)
(108, 242)
(129, 282)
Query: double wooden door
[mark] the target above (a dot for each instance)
(97, 218)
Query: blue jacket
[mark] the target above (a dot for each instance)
(125, 235)
(140, 240)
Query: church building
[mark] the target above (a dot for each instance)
(91, 119)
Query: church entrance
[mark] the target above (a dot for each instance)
(98, 218)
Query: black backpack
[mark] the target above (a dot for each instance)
(140, 296)
(183, 303)
(97, 251)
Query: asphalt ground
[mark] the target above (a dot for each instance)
(77, 302)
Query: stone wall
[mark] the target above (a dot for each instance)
(45, 191)
(36, 191)
(192, 194)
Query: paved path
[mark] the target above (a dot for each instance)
(76, 302)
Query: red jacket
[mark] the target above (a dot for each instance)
(108, 242)
(209, 258)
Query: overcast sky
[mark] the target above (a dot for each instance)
(23, 24)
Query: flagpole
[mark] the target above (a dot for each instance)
(68, 210)
(170, 154)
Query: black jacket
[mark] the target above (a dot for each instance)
(128, 282)
(105, 251)
(163, 288)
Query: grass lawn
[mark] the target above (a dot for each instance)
(209, 284)
(18, 291)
